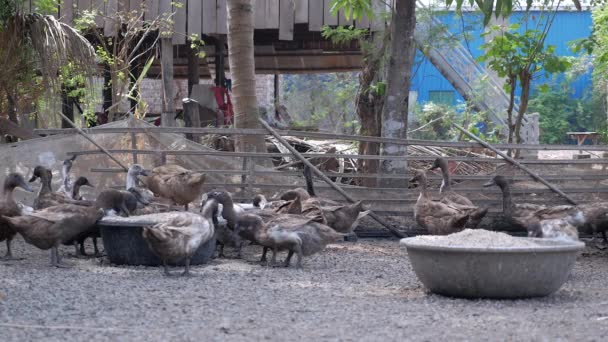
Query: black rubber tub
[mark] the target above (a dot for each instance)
(125, 245)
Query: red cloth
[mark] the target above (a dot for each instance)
(222, 97)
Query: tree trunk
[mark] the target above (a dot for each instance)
(525, 80)
(510, 124)
(242, 67)
(369, 108)
(67, 107)
(395, 110)
(193, 69)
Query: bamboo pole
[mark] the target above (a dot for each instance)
(516, 163)
(320, 174)
(81, 132)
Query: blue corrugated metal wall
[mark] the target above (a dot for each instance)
(568, 26)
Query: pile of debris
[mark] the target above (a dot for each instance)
(349, 165)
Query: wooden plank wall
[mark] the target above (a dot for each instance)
(210, 16)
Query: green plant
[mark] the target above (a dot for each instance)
(519, 57)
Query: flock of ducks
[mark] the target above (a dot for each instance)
(299, 222)
(453, 212)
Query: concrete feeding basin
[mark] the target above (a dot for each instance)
(514, 267)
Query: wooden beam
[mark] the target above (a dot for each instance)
(195, 8)
(286, 20)
(315, 15)
(320, 174)
(168, 114)
(301, 12)
(222, 17)
(209, 15)
(179, 22)
(328, 18)
(110, 25)
(259, 12)
(514, 162)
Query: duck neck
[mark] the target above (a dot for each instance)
(209, 209)
(65, 173)
(76, 192)
(507, 202)
(446, 184)
(45, 187)
(7, 192)
(423, 190)
(228, 211)
(131, 181)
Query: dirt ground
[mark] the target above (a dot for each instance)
(364, 291)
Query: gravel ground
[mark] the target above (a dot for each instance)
(364, 291)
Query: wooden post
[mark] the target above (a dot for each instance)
(133, 141)
(220, 64)
(516, 163)
(321, 175)
(192, 118)
(276, 90)
(168, 114)
(193, 70)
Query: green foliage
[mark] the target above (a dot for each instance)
(8, 8)
(559, 113)
(323, 100)
(47, 6)
(514, 53)
(354, 8)
(434, 122)
(343, 34)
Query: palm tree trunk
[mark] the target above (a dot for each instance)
(394, 112)
(242, 67)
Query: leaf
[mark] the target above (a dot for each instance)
(497, 10)
(544, 88)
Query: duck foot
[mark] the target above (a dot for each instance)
(351, 237)
(11, 258)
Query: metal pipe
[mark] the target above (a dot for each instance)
(516, 163)
(320, 174)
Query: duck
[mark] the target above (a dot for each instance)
(112, 202)
(230, 211)
(342, 218)
(176, 183)
(529, 216)
(79, 241)
(66, 181)
(78, 183)
(299, 235)
(449, 196)
(179, 237)
(49, 227)
(10, 208)
(46, 197)
(436, 217)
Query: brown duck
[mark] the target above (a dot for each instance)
(176, 183)
(10, 208)
(436, 217)
(449, 196)
(46, 197)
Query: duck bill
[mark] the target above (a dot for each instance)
(23, 185)
(34, 177)
(89, 185)
(145, 172)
